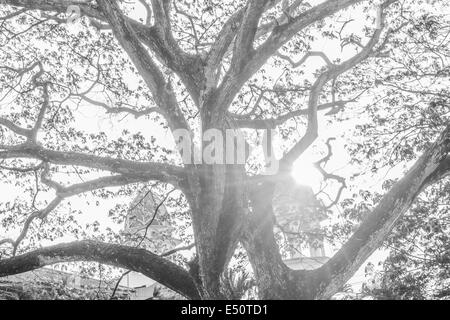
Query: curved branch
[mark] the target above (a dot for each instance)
(333, 72)
(274, 122)
(63, 193)
(431, 167)
(138, 260)
(330, 176)
(245, 38)
(118, 110)
(223, 46)
(148, 8)
(41, 214)
(14, 128)
(309, 54)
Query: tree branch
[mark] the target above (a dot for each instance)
(138, 260)
(63, 192)
(187, 66)
(281, 34)
(161, 90)
(14, 128)
(224, 43)
(332, 73)
(274, 122)
(331, 176)
(126, 168)
(243, 48)
(432, 166)
(173, 251)
(309, 54)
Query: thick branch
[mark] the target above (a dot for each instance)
(162, 92)
(431, 167)
(144, 170)
(14, 128)
(274, 122)
(63, 192)
(223, 44)
(138, 260)
(243, 48)
(225, 40)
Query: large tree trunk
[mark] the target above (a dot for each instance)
(217, 223)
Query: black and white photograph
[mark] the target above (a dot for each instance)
(217, 156)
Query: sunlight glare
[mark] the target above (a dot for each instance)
(305, 173)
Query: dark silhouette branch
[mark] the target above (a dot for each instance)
(331, 73)
(138, 260)
(330, 176)
(431, 167)
(131, 169)
(62, 193)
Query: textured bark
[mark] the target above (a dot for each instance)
(432, 166)
(258, 239)
(275, 280)
(139, 260)
(217, 222)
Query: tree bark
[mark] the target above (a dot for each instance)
(431, 167)
(139, 260)
(217, 222)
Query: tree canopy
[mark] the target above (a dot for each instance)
(94, 93)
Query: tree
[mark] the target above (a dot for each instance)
(201, 66)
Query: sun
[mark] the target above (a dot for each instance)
(305, 173)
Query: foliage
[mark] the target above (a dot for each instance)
(87, 112)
